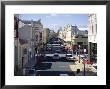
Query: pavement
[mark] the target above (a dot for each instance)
(55, 66)
(29, 64)
(89, 69)
(52, 67)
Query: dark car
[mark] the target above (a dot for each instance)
(56, 56)
(32, 72)
(57, 51)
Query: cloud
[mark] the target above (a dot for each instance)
(53, 25)
(54, 15)
(51, 15)
(47, 16)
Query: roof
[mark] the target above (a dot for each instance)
(31, 22)
(27, 21)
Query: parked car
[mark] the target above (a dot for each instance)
(84, 56)
(69, 57)
(56, 56)
(57, 51)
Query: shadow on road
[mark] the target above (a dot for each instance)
(54, 73)
(44, 66)
(56, 60)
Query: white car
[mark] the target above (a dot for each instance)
(56, 56)
(69, 57)
(82, 56)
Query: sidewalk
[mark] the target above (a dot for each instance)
(30, 64)
(89, 69)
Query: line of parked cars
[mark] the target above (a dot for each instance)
(67, 56)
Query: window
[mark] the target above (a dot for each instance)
(40, 36)
(79, 43)
(25, 51)
(36, 37)
(92, 29)
(84, 42)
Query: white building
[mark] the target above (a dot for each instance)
(68, 33)
(60, 33)
(38, 28)
(45, 35)
(92, 37)
(92, 32)
(73, 36)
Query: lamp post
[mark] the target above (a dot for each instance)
(22, 61)
(79, 53)
(30, 50)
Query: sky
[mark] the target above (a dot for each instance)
(55, 21)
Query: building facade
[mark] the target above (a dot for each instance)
(23, 53)
(92, 37)
(51, 34)
(74, 37)
(38, 28)
(16, 42)
(79, 40)
(45, 35)
(60, 33)
(28, 35)
(68, 33)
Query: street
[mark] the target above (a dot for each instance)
(53, 47)
(59, 65)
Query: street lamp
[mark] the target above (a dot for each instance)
(22, 61)
(79, 53)
(30, 50)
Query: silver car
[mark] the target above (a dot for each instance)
(69, 57)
